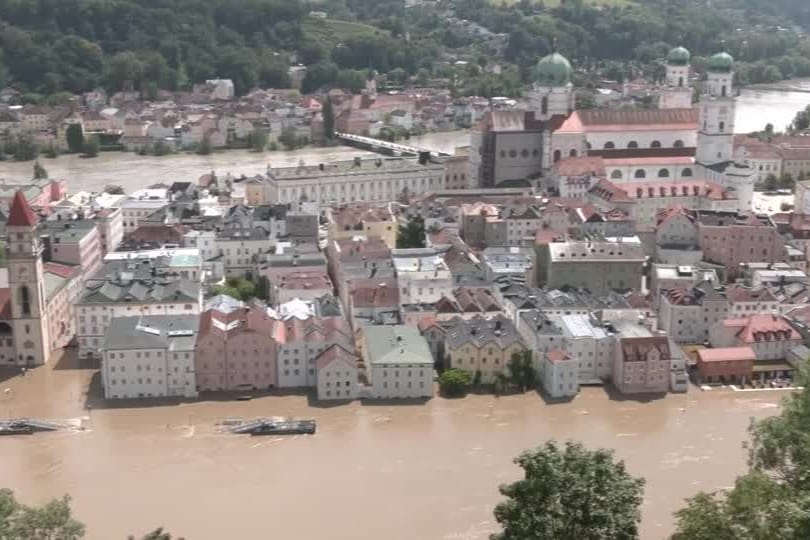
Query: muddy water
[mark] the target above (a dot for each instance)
(134, 172)
(399, 472)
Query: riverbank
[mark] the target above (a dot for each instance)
(414, 471)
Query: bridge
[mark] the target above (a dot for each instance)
(385, 147)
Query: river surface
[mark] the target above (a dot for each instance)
(427, 471)
(755, 108)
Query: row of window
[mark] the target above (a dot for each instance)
(662, 173)
(610, 145)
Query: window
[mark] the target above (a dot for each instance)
(25, 301)
(663, 173)
(686, 172)
(678, 144)
(722, 125)
(544, 105)
(655, 144)
(632, 144)
(616, 174)
(609, 145)
(640, 173)
(557, 156)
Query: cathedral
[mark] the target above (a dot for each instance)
(677, 141)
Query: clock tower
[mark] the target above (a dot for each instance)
(27, 290)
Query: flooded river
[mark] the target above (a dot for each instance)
(399, 472)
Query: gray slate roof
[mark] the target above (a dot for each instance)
(172, 332)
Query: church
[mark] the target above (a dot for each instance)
(36, 309)
(675, 142)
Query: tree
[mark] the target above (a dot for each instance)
(570, 493)
(771, 182)
(157, 534)
(25, 147)
(328, 114)
(237, 287)
(91, 147)
(112, 189)
(52, 521)
(262, 288)
(205, 147)
(51, 152)
(289, 139)
(412, 235)
(772, 500)
(455, 383)
(39, 171)
(161, 148)
(257, 140)
(522, 373)
(75, 137)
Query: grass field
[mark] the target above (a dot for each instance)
(334, 31)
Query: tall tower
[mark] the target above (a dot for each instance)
(677, 94)
(716, 128)
(552, 92)
(715, 141)
(25, 278)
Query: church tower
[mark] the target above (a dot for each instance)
(677, 94)
(552, 92)
(27, 291)
(715, 141)
(716, 128)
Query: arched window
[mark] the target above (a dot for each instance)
(572, 152)
(640, 173)
(639, 193)
(678, 144)
(686, 172)
(544, 105)
(588, 145)
(655, 144)
(722, 126)
(663, 173)
(25, 301)
(680, 82)
(609, 145)
(632, 144)
(616, 174)
(557, 156)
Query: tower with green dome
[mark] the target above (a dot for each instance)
(676, 94)
(552, 92)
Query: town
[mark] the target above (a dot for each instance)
(627, 248)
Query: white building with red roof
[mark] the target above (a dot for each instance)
(770, 336)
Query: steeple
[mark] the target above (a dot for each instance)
(21, 214)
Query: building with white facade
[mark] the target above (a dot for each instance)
(589, 345)
(149, 357)
(398, 362)
(422, 275)
(140, 205)
(304, 341)
(337, 374)
(770, 336)
(560, 375)
(342, 182)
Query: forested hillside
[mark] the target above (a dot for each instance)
(50, 46)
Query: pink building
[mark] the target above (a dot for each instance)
(74, 243)
(237, 350)
(358, 258)
(642, 365)
(308, 285)
(729, 239)
(304, 341)
(110, 224)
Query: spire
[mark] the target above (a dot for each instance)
(20, 214)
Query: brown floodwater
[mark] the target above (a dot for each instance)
(400, 472)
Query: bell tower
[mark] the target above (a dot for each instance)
(27, 291)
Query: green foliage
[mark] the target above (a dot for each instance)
(91, 147)
(570, 493)
(205, 147)
(257, 140)
(75, 137)
(328, 114)
(801, 121)
(412, 235)
(52, 521)
(113, 189)
(51, 152)
(237, 287)
(262, 288)
(157, 534)
(290, 140)
(161, 148)
(772, 500)
(39, 171)
(455, 383)
(25, 147)
(522, 374)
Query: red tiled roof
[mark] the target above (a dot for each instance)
(336, 353)
(20, 214)
(727, 354)
(556, 355)
(61, 270)
(638, 119)
(762, 328)
(579, 166)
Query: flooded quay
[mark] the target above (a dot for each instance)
(396, 471)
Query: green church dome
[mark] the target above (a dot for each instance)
(553, 70)
(722, 62)
(678, 56)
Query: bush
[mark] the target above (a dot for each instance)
(455, 383)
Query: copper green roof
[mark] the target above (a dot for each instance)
(721, 62)
(553, 70)
(678, 56)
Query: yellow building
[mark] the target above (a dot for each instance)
(482, 345)
(363, 220)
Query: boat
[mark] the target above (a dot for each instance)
(284, 427)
